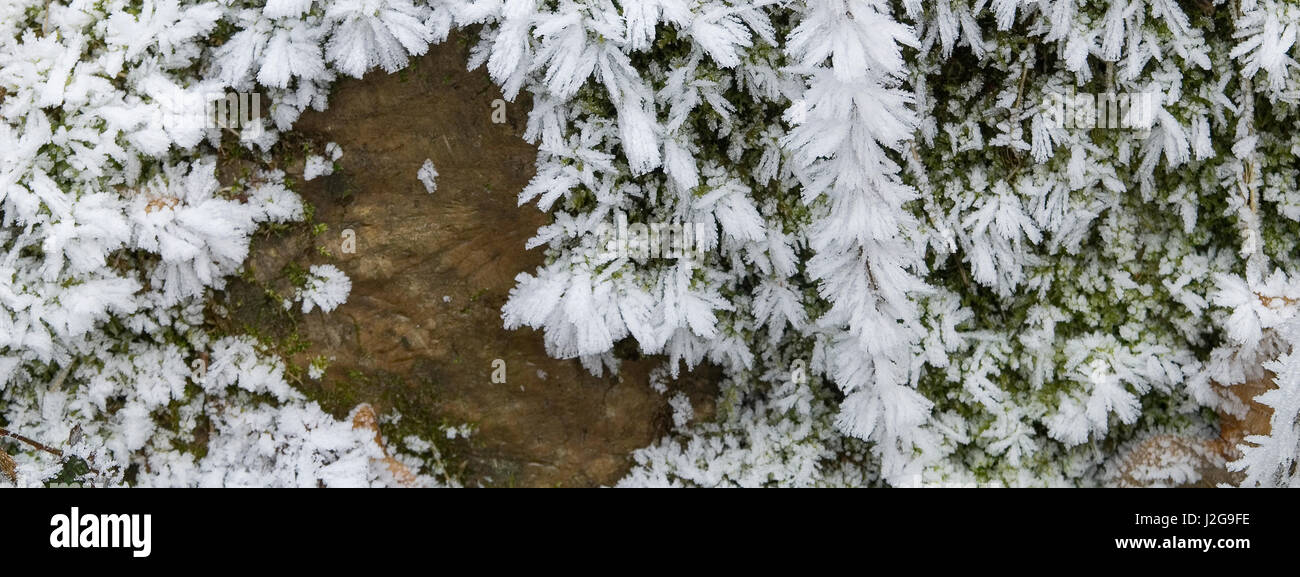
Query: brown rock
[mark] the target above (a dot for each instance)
(365, 419)
(1208, 457)
(1234, 429)
(397, 343)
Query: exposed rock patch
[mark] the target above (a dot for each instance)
(430, 272)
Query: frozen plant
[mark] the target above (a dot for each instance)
(912, 271)
(326, 288)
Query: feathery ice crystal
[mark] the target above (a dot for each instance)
(914, 272)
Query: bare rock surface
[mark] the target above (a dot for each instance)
(422, 328)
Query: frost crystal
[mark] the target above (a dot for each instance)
(326, 287)
(916, 264)
(428, 176)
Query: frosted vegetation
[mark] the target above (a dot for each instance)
(913, 274)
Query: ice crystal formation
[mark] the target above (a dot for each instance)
(914, 270)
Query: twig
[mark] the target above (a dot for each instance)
(8, 467)
(1020, 89)
(62, 375)
(36, 444)
(89, 461)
